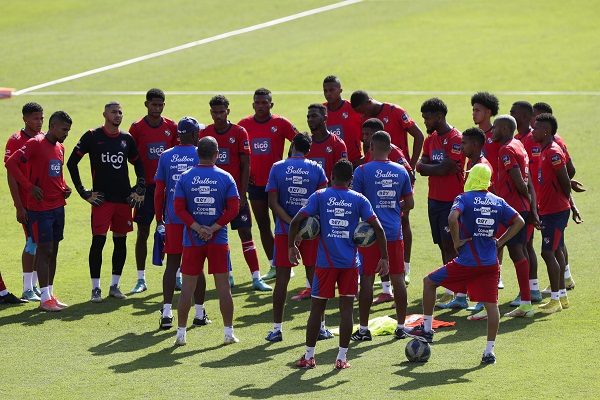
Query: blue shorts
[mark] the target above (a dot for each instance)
(521, 236)
(257, 193)
(46, 226)
(553, 234)
(145, 214)
(438, 219)
(243, 219)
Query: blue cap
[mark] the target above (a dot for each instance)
(188, 125)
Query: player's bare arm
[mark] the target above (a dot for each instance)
(418, 140)
(454, 230)
(446, 167)
(383, 266)
(512, 230)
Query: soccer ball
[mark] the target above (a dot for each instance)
(417, 351)
(309, 228)
(364, 235)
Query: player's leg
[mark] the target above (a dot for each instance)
(173, 249)
(436, 225)
(407, 235)
(40, 224)
(397, 265)
(143, 218)
(493, 322)
(249, 249)
(279, 298)
(201, 318)
(552, 239)
(534, 287)
(29, 275)
(121, 224)
(218, 266)
(6, 297)
(308, 250)
(58, 226)
(365, 299)
(347, 283)
(188, 285)
(518, 255)
(100, 221)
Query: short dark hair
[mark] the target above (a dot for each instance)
(487, 100)
(61, 116)
(219, 100)
(302, 142)
(155, 93)
(434, 105)
(30, 108)
(524, 105)
(476, 134)
(543, 107)
(381, 139)
(550, 119)
(332, 79)
(373, 123)
(322, 109)
(358, 98)
(263, 92)
(207, 146)
(110, 104)
(343, 170)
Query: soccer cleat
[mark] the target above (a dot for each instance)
(303, 294)
(523, 311)
(536, 296)
(270, 274)
(457, 302)
(60, 304)
(201, 321)
(444, 298)
(500, 283)
(231, 281)
(230, 340)
(400, 333)
(140, 287)
(547, 290)
(180, 340)
(116, 292)
(551, 307)
(96, 295)
(10, 298)
(274, 336)
(407, 279)
(361, 337)
(49, 305)
(165, 322)
(259, 284)
(516, 302)
(569, 283)
(178, 284)
(479, 316)
(36, 290)
(307, 364)
(564, 302)
(30, 295)
(419, 333)
(339, 364)
(488, 359)
(477, 307)
(383, 298)
(324, 334)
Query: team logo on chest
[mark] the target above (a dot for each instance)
(273, 129)
(445, 141)
(123, 144)
(328, 149)
(167, 133)
(345, 115)
(386, 120)
(231, 140)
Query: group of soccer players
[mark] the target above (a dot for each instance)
(355, 164)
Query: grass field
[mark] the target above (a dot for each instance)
(401, 52)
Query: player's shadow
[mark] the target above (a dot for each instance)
(164, 358)
(418, 380)
(130, 342)
(257, 355)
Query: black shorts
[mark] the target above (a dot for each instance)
(257, 193)
(438, 219)
(145, 214)
(243, 219)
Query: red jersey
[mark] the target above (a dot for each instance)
(346, 124)
(396, 122)
(15, 142)
(561, 143)
(46, 161)
(233, 143)
(438, 147)
(396, 155)
(267, 140)
(550, 197)
(490, 151)
(512, 155)
(151, 141)
(327, 152)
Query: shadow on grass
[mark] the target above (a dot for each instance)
(420, 380)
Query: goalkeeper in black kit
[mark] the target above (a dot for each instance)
(111, 196)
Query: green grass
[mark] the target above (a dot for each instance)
(113, 350)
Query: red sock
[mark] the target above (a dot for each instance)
(252, 257)
(522, 267)
(2, 285)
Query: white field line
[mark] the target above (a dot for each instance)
(190, 45)
(300, 92)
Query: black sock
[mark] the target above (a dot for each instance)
(119, 255)
(95, 258)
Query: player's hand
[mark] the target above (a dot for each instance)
(418, 166)
(94, 198)
(294, 255)
(243, 200)
(383, 267)
(461, 243)
(22, 215)
(251, 180)
(138, 193)
(576, 216)
(297, 241)
(577, 186)
(36, 193)
(205, 233)
(68, 191)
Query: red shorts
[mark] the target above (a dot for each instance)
(192, 261)
(371, 256)
(173, 238)
(481, 282)
(117, 216)
(308, 251)
(323, 285)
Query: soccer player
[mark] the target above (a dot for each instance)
(267, 133)
(485, 106)
(387, 186)
(337, 258)
(7, 297)
(554, 204)
(234, 157)
(33, 117)
(514, 185)
(111, 197)
(153, 134)
(442, 162)
(206, 200)
(290, 184)
(172, 163)
(473, 221)
(342, 119)
(396, 121)
(46, 202)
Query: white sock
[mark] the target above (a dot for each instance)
(271, 264)
(461, 295)
(450, 292)
(387, 287)
(562, 293)
(277, 326)
(428, 322)
(199, 310)
(407, 268)
(489, 347)
(310, 353)
(308, 286)
(167, 311)
(34, 278)
(27, 281)
(95, 283)
(554, 295)
(45, 293)
(400, 326)
(525, 303)
(178, 274)
(115, 280)
(4, 292)
(342, 353)
(142, 274)
(255, 274)
(567, 272)
(50, 287)
(533, 284)
(181, 332)
(228, 331)
(363, 329)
